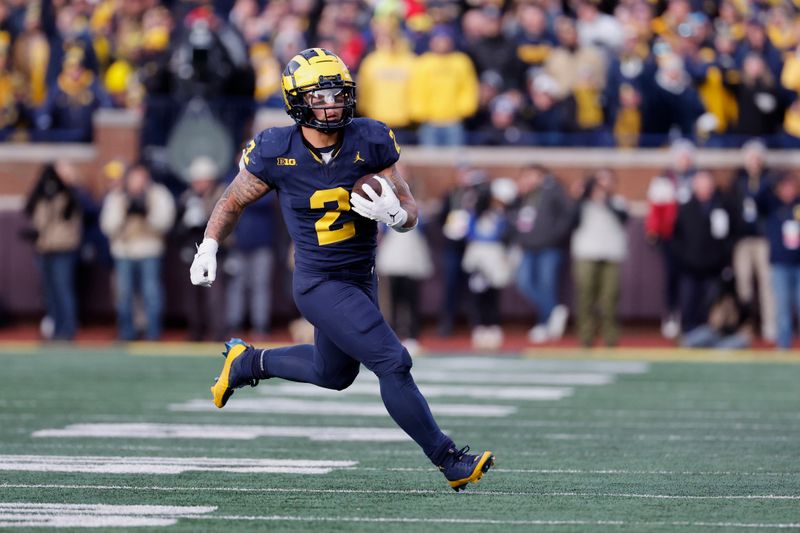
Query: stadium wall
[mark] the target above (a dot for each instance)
(431, 172)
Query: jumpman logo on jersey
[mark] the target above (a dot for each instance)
(358, 158)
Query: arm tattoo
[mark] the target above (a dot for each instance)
(243, 191)
(403, 192)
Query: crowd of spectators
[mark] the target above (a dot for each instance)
(629, 73)
(497, 72)
(730, 245)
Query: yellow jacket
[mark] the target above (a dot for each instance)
(444, 88)
(790, 76)
(716, 97)
(790, 79)
(384, 86)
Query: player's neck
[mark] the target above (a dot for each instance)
(319, 139)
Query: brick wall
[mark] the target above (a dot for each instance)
(431, 172)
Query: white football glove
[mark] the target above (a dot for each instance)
(383, 207)
(203, 271)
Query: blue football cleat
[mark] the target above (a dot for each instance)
(461, 468)
(235, 372)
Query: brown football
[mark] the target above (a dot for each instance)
(370, 180)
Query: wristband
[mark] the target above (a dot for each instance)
(208, 246)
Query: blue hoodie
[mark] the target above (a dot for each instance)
(781, 226)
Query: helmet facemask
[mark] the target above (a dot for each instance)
(305, 105)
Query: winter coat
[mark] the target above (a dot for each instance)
(133, 235)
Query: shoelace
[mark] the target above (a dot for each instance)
(460, 453)
(456, 456)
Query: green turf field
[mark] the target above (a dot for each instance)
(109, 438)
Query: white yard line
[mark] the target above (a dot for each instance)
(430, 391)
(531, 365)
(95, 515)
(687, 412)
(336, 408)
(669, 437)
(507, 377)
(225, 432)
(488, 521)
(623, 425)
(442, 492)
(165, 465)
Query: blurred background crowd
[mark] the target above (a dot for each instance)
(679, 74)
(730, 249)
(440, 72)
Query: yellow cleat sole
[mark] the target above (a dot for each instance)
(483, 465)
(220, 391)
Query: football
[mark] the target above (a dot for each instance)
(370, 180)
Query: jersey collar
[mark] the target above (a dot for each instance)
(315, 153)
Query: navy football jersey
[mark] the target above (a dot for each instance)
(315, 196)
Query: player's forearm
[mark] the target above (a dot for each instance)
(243, 190)
(410, 205)
(223, 219)
(407, 201)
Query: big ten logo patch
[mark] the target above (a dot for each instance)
(286, 162)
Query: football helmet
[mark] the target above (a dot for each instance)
(316, 79)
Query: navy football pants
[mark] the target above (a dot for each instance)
(351, 330)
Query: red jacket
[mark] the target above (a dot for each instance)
(663, 196)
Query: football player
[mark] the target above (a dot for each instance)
(312, 167)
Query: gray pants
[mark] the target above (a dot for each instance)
(250, 276)
(751, 260)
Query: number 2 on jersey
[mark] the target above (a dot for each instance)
(326, 235)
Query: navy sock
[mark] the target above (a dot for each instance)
(410, 411)
(258, 367)
(295, 363)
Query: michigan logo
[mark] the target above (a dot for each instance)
(286, 162)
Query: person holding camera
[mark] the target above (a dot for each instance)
(136, 216)
(56, 229)
(599, 246)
